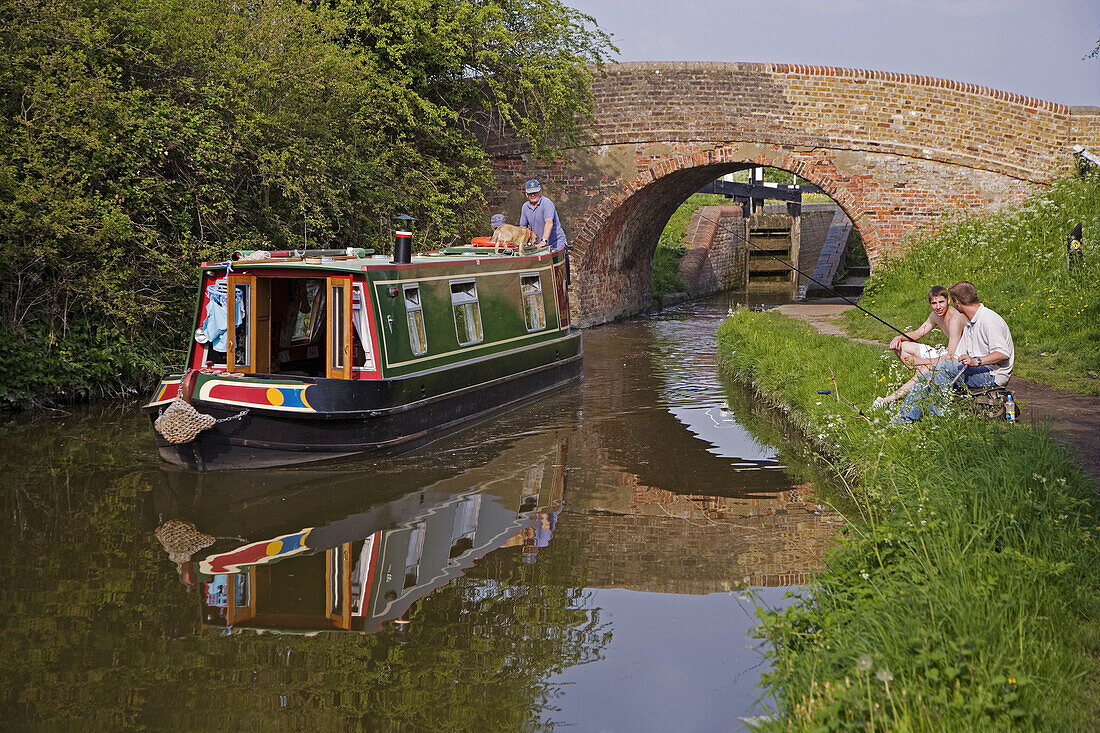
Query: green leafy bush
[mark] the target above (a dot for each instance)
(141, 138)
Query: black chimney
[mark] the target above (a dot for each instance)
(402, 239)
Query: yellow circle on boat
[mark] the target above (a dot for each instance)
(274, 547)
(274, 396)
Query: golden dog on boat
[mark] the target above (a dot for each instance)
(510, 234)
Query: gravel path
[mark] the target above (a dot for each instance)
(1074, 419)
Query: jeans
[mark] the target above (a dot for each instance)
(930, 393)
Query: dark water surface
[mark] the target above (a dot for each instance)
(575, 564)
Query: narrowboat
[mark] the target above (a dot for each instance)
(299, 356)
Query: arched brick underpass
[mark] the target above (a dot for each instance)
(898, 152)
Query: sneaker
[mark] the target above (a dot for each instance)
(879, 402)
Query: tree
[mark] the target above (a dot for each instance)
(141, 137)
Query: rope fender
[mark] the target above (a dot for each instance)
(180, 422)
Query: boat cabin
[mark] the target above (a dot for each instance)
(362, 317)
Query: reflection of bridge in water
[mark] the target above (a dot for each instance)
(681, 498)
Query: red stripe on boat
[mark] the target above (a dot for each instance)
(247, 394)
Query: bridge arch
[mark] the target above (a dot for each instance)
(897, 152)
(614, 263)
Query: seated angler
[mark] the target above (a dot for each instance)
(922, 356)
(985, 356)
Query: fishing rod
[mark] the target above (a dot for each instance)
(836, 394)
(736, 234)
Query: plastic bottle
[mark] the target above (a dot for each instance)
(1010, 409)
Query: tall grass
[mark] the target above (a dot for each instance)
(1017, 260)
(963, 594)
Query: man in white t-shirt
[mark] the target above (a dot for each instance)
(985, 355)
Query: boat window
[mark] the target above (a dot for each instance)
(309, 311)
(465, 525)
(360, 320)
(467, 312)
(241, 345)
(418, 339)
(534, 312)
(360, 577)
(337, 332)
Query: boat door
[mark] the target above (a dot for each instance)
(338, 349)
(249, 348)
(241, 601)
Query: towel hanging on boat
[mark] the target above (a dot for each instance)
(216, 327)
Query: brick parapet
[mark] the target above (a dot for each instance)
(1084, 128)
(790, 105)
(843, 72)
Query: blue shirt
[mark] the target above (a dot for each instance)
(535, 218)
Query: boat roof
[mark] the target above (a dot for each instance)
(362, 260)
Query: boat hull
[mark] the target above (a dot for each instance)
(350, 417)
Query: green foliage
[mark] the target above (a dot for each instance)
(140, 138)
(1017, 260)
(670, 247)
(771, 175)
(962, 595)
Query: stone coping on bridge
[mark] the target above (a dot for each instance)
(852, 73)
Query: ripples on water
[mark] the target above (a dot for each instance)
(568, 563)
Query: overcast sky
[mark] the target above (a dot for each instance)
(1029, 47)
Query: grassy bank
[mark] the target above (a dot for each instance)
(1018, 262)
(961, 595)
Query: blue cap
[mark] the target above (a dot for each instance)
(497, 220)
(532, 186)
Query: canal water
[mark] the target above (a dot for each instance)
(591, 561)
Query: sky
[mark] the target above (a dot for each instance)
(1032, 48)
(694, 656)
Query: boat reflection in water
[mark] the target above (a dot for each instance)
(281, 551)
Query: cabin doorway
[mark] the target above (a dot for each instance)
(281, 328)
(299, 321)
(286, 326)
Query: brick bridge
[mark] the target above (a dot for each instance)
(895, 151)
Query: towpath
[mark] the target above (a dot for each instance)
(1074, 419)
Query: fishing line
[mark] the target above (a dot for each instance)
(737, 235)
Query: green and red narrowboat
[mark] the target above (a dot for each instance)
(302, 356)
